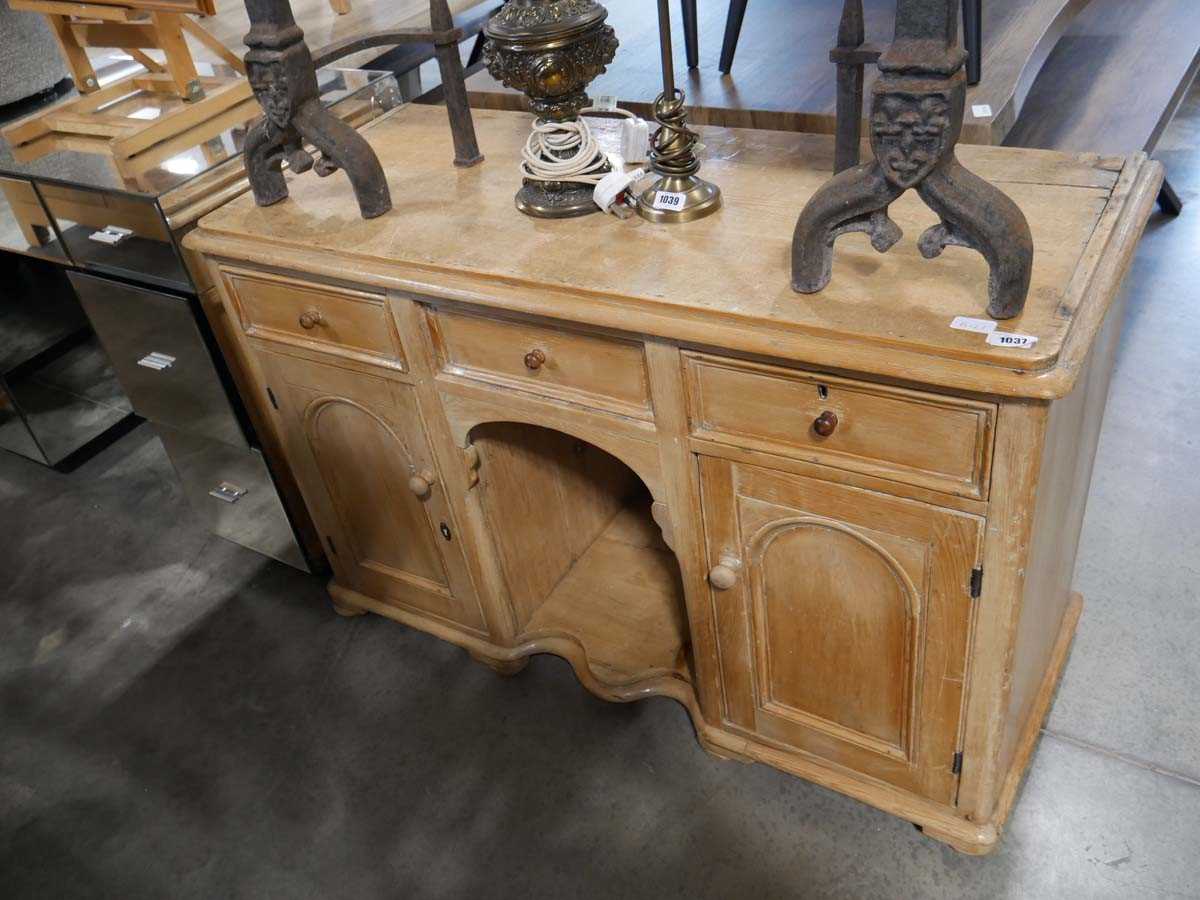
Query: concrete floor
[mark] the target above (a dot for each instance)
(183, 718)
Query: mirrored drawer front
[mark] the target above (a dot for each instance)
(232, 492)
(928, 440)
(602, 372)
(333, 320)
(160, 357)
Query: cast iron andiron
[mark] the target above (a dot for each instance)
(280, 69)
(917, 107)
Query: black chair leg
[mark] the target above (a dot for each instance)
(691, 35)
(1169, 201)
(733, 30)
(973, 37)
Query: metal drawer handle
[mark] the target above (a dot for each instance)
(229, 493)
(535, 359)
(826, 423)
(310, 319)
(156, 361)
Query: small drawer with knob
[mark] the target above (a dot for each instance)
(339, 321)
(928, 440)
(597, 370)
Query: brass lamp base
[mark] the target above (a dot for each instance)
(679, 198)
(556, 199)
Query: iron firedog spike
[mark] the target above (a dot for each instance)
(851, 56)
(917, 108)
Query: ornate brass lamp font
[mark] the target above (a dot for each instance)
(551, 50)
(678, 195)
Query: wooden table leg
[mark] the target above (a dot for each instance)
(733, 30)
(973, 37)
(691, 35)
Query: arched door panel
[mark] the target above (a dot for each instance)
(845, 634)
(356, 443)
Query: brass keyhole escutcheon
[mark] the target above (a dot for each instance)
(826, 423)
(535, 359)
(310, 319)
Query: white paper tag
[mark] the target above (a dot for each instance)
(669, 200)
(966, 323)
(1012, 341)
(981, 111)
(606, 102)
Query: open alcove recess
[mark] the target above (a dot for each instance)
(584, 558)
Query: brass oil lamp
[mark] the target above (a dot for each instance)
(550, 50)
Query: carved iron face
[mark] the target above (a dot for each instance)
(270, 87)
(910, 132)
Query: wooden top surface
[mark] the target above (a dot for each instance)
(724, 281)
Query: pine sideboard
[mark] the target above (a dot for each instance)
(839, 531)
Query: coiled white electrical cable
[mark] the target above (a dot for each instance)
(566, 151)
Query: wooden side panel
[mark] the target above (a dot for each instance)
(1072, 435)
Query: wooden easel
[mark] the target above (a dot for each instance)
(133, 26)
(109, 118)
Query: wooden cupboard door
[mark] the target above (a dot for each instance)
(844, 628)
(356, 443)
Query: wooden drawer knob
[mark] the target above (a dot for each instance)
(310, 319)
(422, 483)
(725, 575)
(826, 423)
(535, 359)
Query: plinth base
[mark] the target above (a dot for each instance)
(696, 199)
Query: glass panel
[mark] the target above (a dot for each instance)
(25, 225)
(120, 234)
(59, 390)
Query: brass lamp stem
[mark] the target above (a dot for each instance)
(664, 42)
(678, 195)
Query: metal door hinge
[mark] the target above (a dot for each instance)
(271, 396)
(956, 769)
(976, 582)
